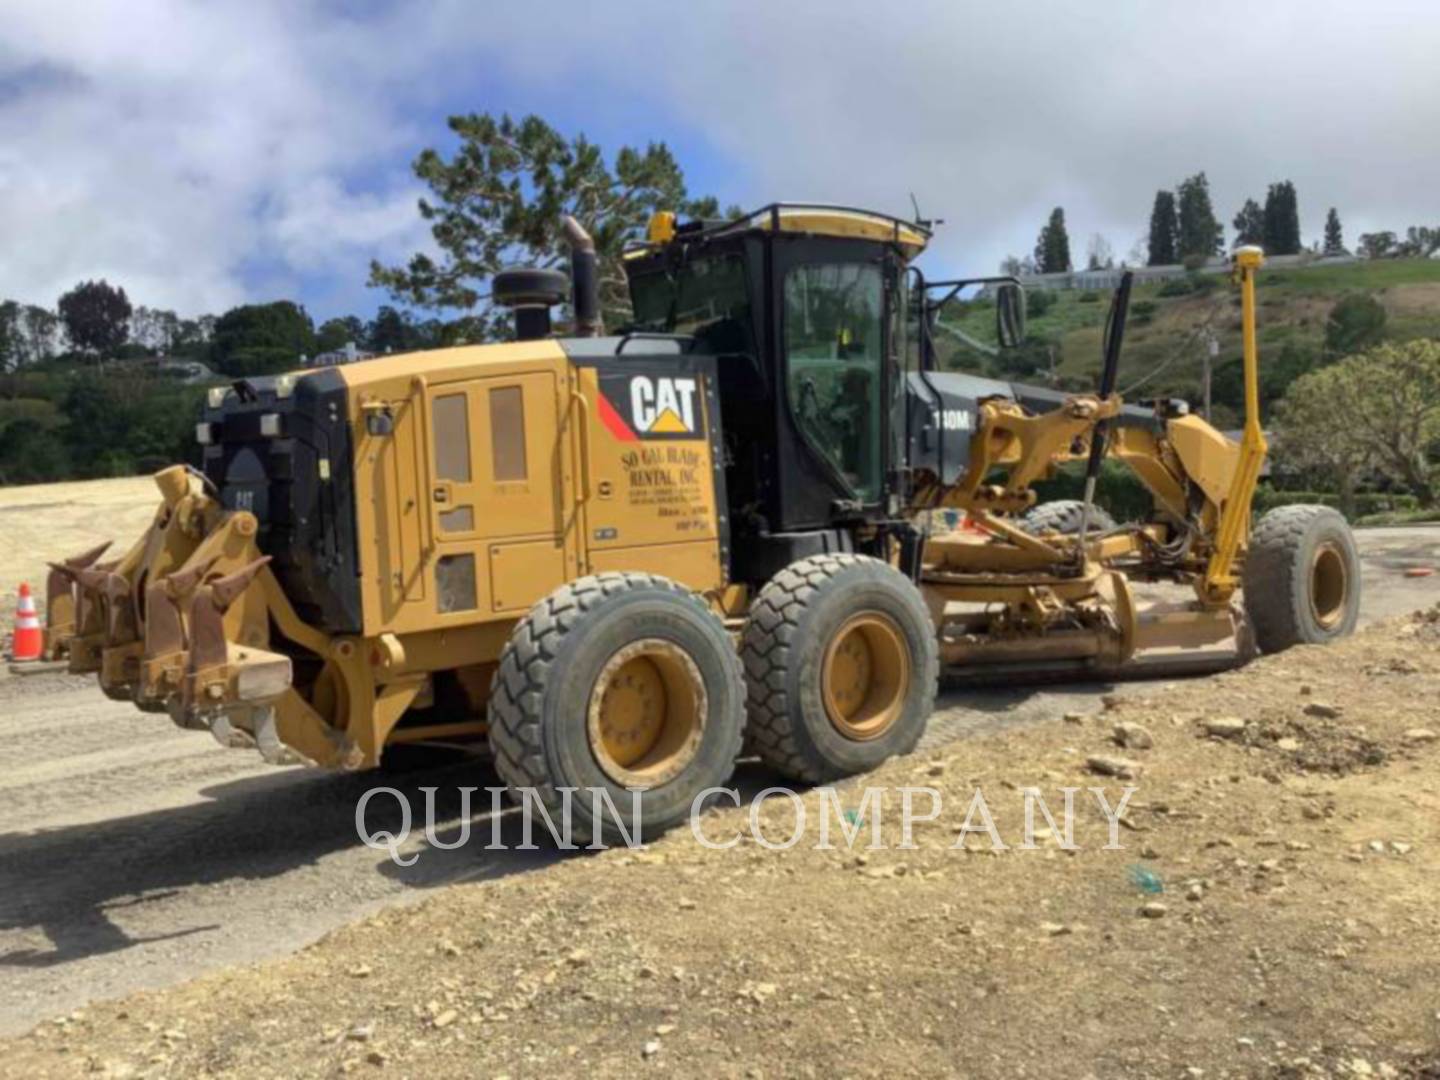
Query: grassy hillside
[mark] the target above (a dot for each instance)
(1293, 307)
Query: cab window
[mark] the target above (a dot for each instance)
(706, 297)
(834, 357)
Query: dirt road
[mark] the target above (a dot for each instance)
(136, 855)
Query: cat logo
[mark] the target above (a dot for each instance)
(633, 406)
(663, 406)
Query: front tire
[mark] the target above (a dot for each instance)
(613, 682)
(1063, 516)
(1302, 578)
(841, 665)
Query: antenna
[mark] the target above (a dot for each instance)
(923, 222)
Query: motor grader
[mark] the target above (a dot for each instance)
(618, 559)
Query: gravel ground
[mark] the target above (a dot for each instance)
(1268, 912)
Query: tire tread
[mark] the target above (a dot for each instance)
(518, 687)
(765, 649)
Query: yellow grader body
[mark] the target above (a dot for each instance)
(615, 559)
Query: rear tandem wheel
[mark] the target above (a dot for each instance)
(841, 666)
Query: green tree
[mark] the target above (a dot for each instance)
(1356, 322)
(262, 339)
(1376, 245)
(335, 334)
(96, 316)
(155, 329)
(1311, 433)
(391, 331)
(1164, 245)
(1334, 238)
(1250, 224)
(1098, 253)
(1420, 242)
(126, 422)
(11, 355)
(29, 334)
(1282, 220)
(1392, 398)
(32, 450)
(498, 201)
(1201, 236)
(1052, 247)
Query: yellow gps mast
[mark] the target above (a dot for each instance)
(1220, 581)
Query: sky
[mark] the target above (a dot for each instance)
(205, 154)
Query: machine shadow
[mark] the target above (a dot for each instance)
(65, 881)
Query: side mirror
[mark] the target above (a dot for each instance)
(1009, 314)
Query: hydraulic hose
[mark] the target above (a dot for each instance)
(1109, 375)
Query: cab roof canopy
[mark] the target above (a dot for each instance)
(809, 219)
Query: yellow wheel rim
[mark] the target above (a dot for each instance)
(865, 677)
(1329, 585)
(647, 713)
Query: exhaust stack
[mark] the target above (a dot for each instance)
(584, 279)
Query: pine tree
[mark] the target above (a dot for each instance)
(1200, 234)
(1164, 231)
(1250, 224)
(1052, 247)
(498, 199)
(1334, 239)
(1282, 220)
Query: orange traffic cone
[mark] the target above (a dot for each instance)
(29, 639)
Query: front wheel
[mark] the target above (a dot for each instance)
(1302, 578)
(1063, 516)
(841, 664)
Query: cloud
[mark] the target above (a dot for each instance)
(203, 154)
(188, 150)
(993, 113)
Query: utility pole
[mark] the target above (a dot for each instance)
(1212, 350)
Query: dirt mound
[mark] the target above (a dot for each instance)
(1424, 626)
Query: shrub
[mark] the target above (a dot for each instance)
(1367, 503)
(1355, 323)
(1399, 517)
(1038, 302)
(1175, 287)
(1089, 296)
(1143, 311)
(1117, 489)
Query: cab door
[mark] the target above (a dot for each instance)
(835, 381)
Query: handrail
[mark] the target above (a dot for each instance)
(584, 441)
(652, 335)
(418, 391)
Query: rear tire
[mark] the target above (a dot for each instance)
(1302, 578)
(611, 682)
(841, 666)
(1063, 516)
